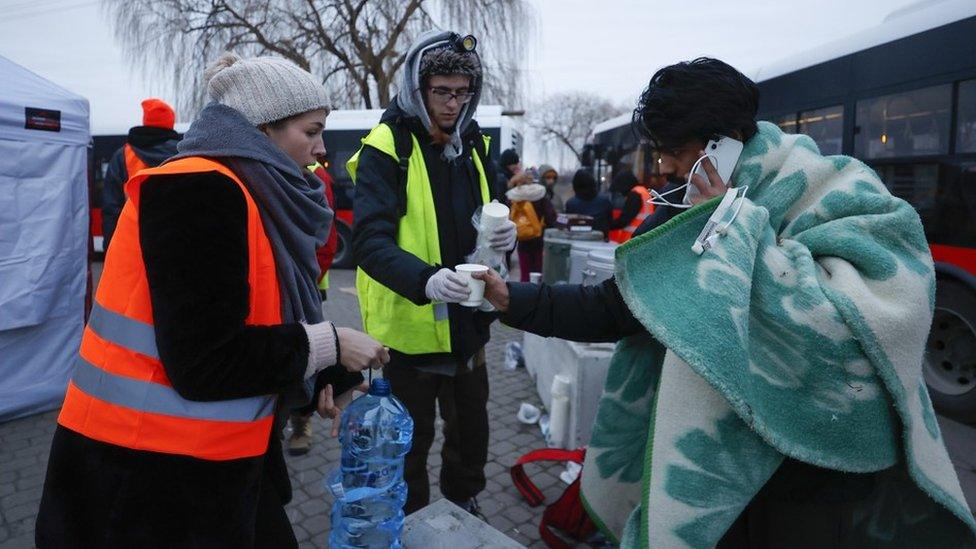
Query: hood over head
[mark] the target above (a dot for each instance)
(410, 97)
(545, 168)
(584, 184)
(508, 158)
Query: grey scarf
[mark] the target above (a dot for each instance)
(290, 199)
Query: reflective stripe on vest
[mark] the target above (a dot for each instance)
(646, 209)
(133, 164)
(389, 317)
(120, 393)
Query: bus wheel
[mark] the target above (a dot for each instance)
(343, 257)
(950, 358)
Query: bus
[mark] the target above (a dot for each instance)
(901, 97)
(343, 134)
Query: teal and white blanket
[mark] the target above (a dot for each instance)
(800, 334)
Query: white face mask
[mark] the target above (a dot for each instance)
(658, 198)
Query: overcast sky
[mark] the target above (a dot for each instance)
(609, 47)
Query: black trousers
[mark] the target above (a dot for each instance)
(463, 401)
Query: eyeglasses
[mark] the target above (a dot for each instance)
(444, 95)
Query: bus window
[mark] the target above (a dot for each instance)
(825, 126)
(786, 122)
(912, 123)
(954, 221)
(917, 184)
(966, 121)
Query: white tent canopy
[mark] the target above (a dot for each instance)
(44, 136)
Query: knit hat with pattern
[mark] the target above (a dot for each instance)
(264, 89)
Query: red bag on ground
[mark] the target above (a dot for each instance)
(567, 513)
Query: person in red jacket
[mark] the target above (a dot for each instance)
(300, 441)
(326, 254)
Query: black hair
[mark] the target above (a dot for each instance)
(697, 99)
(447, 61)
(508, 157)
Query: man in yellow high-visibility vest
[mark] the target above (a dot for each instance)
(420, 176)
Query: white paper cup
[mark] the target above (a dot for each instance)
(493, 214)
(476, 286)
(535, 278)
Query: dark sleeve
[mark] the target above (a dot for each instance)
(549, 213)
(113, 195)
(193, 232)
(661, 215)
(632, 206)
(571, 311)
(572, 205)
(375, 226)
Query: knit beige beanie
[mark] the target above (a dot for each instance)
(264, 89)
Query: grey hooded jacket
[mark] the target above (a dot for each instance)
(410, 98)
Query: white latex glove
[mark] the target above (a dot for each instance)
(502, 238)
(447, 286)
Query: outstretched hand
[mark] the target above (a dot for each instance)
(496, 290)
(331, 407)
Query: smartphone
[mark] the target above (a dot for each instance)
(724, 155)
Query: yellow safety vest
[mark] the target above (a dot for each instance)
(390, 318)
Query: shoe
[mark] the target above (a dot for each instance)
(472, 507)
(300, 441)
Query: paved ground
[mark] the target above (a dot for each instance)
(24, 446)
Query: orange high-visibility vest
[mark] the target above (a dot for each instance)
(120, 393)
(625, 234)
(133, 164)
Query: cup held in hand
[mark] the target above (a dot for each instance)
(493, 214)
(476, 286)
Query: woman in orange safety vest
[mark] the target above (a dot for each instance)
(206, 329)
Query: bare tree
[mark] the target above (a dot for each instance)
(355, 46)
(567, 119)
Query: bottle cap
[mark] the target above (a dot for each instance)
(380, 387)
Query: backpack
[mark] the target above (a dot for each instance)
(567, 513)
(527, 222)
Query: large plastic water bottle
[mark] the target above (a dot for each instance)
(375, 432)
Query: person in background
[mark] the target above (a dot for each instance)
(326, 254)
(588, 200)
(510, 172)
(412, 227)
(549, 177)
(146, 146)
(207, 329)
(532, 212)
(636, 207)
(300, 441)
(661, 213)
